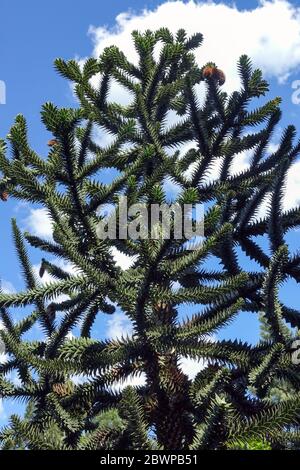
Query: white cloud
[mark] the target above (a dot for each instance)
(39, 223)
(133, 380)
(171, 189)
(102, 138)
(191, 367)
(121, 259)
(292, 194)
(240, 162)
(78, 379)
(118, 325)
(263, 208)
(225, 28)
(188, 366)
(7, 287)
(15, 379)
(272, 148)
(3, 356)
(189, 172)
(175, 285)
(70, 336)
(2, 411)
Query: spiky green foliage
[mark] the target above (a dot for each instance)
(227, 403)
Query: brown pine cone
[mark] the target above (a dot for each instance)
(63, 389)
(52, 142)
(209, 71)
(220, 75)
(4, 196)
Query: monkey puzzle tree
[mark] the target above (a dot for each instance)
(227, 403)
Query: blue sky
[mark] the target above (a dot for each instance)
(33, 34)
